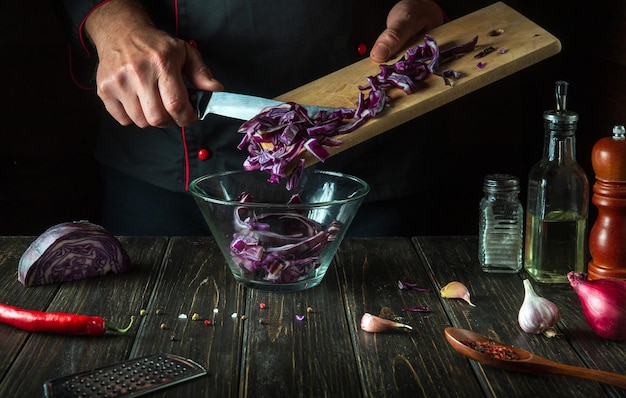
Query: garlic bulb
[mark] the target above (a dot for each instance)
(537, 315)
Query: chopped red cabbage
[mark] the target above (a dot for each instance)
(277, 135)
(278, 247)
(283, 256)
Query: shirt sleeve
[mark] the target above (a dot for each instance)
(82, 54)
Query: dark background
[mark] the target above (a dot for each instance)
(48, 174)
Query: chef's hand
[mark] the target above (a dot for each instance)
(141, 69)
(406, 19)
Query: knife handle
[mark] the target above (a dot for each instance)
(199, 99)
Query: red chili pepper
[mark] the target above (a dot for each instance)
(56, 322)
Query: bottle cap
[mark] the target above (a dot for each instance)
(500, 183)
(560, 115)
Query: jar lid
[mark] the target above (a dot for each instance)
(500, 183)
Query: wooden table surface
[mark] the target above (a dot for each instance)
(271, 353)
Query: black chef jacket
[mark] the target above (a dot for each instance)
(263, 48)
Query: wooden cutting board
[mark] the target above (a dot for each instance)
(523, 43)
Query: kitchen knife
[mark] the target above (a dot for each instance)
(236, 106)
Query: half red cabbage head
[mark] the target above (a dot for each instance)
(72, 251)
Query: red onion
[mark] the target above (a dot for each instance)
(603, 304)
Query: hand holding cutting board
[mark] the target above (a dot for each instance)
(518, 41)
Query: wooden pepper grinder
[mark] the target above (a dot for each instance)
(607, 238)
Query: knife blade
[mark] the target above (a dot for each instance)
(236, 106)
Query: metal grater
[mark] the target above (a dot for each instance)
(130, 378)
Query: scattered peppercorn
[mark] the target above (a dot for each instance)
(195, 316)
(207, 322)
(243, 317)
(262, 306)
(163, 326)
(309, 310)
(143, 312)
(159, 311)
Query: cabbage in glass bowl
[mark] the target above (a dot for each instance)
(278, 239)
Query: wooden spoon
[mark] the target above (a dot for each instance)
(527, 362)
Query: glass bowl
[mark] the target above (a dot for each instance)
(275, 239)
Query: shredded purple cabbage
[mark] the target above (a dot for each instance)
(276, 136)
(406, 285)
(278, 247)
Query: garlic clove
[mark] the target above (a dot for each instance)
(374, 324)
(456, 290)
(537, 315)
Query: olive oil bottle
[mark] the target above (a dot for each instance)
(558, 200)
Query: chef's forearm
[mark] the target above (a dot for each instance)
(114, 16)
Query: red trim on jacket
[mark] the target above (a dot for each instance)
(183, 135)
(82, 26)
(83, 43)
(176, 13)
(71, 67)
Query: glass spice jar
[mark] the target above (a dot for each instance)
(501, 224)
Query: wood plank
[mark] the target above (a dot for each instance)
(48, 356)
(525, 44)
(195, 279)
(498, 298)
(418, 363)
(326, 352)
(288, 357)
